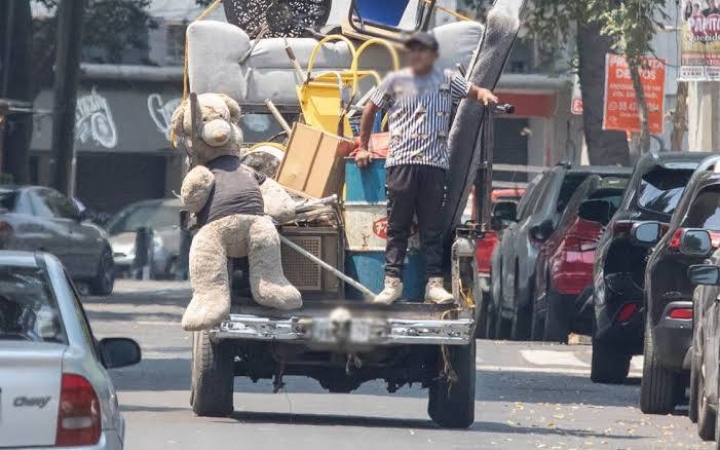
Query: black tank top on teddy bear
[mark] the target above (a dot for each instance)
(236, 190)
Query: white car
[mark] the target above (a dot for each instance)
(54, 387)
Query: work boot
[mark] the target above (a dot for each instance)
(435, 292)
(392, 292)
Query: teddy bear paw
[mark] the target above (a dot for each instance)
(204, 313)
(282, 296)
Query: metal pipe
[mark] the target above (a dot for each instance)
(367, 292)
(276, 114)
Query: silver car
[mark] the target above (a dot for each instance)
(34, 218)
(163, 216)
(54, 387)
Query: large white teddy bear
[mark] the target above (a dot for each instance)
(234, 206)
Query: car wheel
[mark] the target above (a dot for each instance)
(451, 403)
(609, 364)
(104, 281)
(537, 327)
(706, 417)
(658, 387)
(212, 376)
(693, 398)
(171, 269)
(557, 327)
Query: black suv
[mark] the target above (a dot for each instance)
(513, 262)
(653, 193)
(669, 291)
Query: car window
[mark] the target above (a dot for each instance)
(152, 215)
(88, 336)
(531, 196)
(660, 189)
(8, 199)
(28, 308)
(58, 205)
(705, 210)
(570, 184)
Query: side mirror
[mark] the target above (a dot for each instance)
(704, 274)
(542, 231)
(505, 211)
(119, 352)
(696, 243)
(646, 233)
(599, 211)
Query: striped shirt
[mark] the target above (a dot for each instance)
(419, 109)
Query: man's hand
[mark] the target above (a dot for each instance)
(363, 158)
(484, 96)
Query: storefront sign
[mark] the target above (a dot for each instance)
(700, 40)
(621, 108)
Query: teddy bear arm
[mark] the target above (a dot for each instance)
(196, 188)
(278, 203)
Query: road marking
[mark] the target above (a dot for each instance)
(552, 358)
(553, 370)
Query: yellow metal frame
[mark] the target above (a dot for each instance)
(320, 96)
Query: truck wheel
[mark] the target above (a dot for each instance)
(212, 376)
(609, 365)
(705, 415)
(452, 405)
(657, 390)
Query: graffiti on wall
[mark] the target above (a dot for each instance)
(161, 112)
(94, 120)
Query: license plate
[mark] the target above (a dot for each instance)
(321, 331)
(360, 332)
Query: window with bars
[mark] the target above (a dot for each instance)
(175, 33)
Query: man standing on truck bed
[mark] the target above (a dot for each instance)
(419, 100)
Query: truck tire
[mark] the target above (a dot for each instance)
(211, 393)
(706, 417)
(609, 365)
(657, 389)
(452, 405)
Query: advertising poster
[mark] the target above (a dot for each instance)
(699, 40)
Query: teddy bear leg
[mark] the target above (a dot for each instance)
(269, 286)
(210, 302)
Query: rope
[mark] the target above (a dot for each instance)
(456, 14)
(186, 86)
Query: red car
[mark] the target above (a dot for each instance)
(564, 268)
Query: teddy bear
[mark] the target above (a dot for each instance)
(235, 207)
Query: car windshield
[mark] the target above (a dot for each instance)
(660, 189)
(705, 210)
(157, 216)
(28, 310)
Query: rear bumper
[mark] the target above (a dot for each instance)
(353, 324)
(109, 440)
(673, 338)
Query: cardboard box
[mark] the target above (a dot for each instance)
(314, 162)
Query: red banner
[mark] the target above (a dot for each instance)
(621, 108)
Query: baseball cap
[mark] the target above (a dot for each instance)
(423, 39)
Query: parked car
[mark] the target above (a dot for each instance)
(163, 217)
(563, 272)
(514, 268)
(705, 356)
(39, 218)
(669, 291)
(504, 204)
(56, 391)
(653, 193)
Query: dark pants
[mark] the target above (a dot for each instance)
(414, 189)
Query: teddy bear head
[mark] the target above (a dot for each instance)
(216, 127)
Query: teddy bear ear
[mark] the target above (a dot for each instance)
(233, 107)
(178, 118)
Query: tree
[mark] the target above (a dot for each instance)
(110, 27)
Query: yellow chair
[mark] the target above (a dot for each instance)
(323, 98)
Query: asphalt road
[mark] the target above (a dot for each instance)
(529, 396)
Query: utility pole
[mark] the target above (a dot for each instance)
(67, 73)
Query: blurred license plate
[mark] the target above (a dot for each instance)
(321, 331)
(360, 331)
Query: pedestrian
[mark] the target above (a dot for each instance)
(419, 100)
